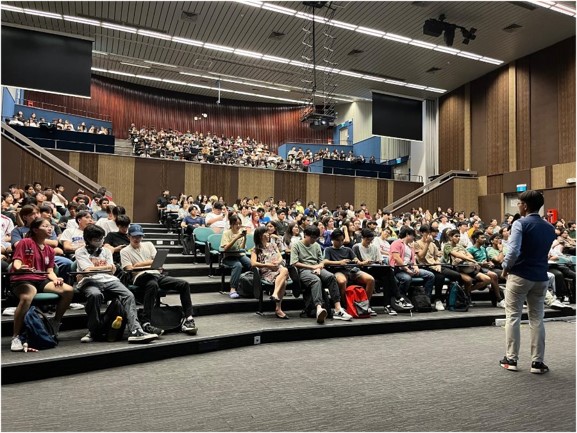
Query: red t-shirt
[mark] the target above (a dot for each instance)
(42, 259)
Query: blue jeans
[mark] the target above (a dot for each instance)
(405, 281)
(63, 264)
(238, 264)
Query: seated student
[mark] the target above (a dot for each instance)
(306, 256)
(101, 287)
(562, 273)
(33, 254)
(233, 240)
(193, 220)
(171, 213)
(402, 257)
(115, 241)
(137, 257)
(267, 257)
(495, 250)
(217, 218)
(455, 254)
(479, 253)
(429, 254)
(73, 238)
(337, 256)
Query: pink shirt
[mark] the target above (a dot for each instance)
(399, 246)
(42, 259)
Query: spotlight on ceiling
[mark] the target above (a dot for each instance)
(436, 27)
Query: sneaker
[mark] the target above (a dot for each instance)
(508, 364)
(139, 336)
(539, 368)
(566, 300)
(557, 305)
(342, 315)
(189, 327)
(9, 311)
(87, 338)
(402, 303)
(390, 311)
(233, 295)
(439, 305)
(75, 306)
(500, 304)
(149, 329)
(321, 316)
(372, 312)
(16, 345)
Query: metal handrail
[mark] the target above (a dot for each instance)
(63, 110)
(394, 206)
(42, 154)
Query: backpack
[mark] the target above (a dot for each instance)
(357, 302)
(420, 300)
(457, 299)
(310, 309)
(245, 285)
(167, 317)
(113, 310)
(38, 329)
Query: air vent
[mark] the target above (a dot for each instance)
(420, 4)
(202, 64)
(277, 36)
(374, 74)
(188, 16)
(355, 52)
(524, 5)
(512, 28)
(432, 70)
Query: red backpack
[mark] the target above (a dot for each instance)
(357, 302)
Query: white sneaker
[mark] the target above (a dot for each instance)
(557, 305)
(87, 338)
(321, 316)
(439, 305)
(390, 311)
(9, 311)
(16, 345)
(372, 312)
(75, 306)
(342, 315)
(501, 304)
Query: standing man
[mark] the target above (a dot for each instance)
(526, 262)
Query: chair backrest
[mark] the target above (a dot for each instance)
(249, 245)
(214, 241)
(201, 234)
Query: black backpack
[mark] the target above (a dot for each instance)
(310, 309)
(245, 285)
(38, 330)
(167, 317)
(113, 310)
(457, 299)
(420, 300)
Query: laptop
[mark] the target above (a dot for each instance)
(159, 259)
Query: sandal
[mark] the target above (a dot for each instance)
(285, 317)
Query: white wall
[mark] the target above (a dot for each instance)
(417, 161)
(361, 113)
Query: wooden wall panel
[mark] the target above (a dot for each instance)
(566, 100)
(538, 178)
(336, 190)
(366, 190)
(482, 185)
(465, 195)
(129, 103)
(523, 110)
(494, 184)
(115, 173)
(566, 203)
(561, 172)
(544, 109)
(441, 196)
(220, 181)
(290, 185)
(512, 166)
(313, 182)
(259, 182)
(491, 206)
(193, 179)
(512, 179)
(88, 165)
(11, 165)
(479, 137)
(497, 122)
(383, 199)
(452, 131)
(148, 186)
(401, 189)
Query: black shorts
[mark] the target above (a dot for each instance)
(39, 285)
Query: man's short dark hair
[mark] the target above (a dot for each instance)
(218, 205)
(476, 235)
(337, 233)
(367, 233)
(312, 231)
(406, 231)
(495, 236)
(72, 205)
(122, 220)
(533, 199)
(81, 214)
(425, 229)
(92, 231)
(260, 209)
(462, 223)
(45, 208)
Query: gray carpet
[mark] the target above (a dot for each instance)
(427, 381)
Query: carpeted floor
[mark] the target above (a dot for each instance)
(446, 380)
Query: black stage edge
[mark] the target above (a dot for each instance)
(129, 355)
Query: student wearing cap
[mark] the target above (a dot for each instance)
(137, 258)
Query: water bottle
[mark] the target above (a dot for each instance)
(29, 257)
(114, 329)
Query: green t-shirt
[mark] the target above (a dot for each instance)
(311, 255)
(479, 253)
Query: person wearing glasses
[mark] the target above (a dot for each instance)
(525, 267)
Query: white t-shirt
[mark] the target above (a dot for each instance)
(75, 236)
(220, 224)
(86, 260)
(107, 225)
(130, 255)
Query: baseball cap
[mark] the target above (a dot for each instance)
(135, 230)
